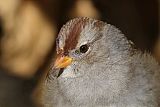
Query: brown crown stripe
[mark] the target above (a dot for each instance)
(73, 36)
(74, 27)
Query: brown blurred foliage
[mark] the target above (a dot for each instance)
(28, 37)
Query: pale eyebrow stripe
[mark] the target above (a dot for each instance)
(100, 33)
(97, 37)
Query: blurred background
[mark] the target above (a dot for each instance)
(28, 29)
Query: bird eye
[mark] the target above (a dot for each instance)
(84, 48)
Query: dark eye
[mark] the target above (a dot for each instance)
(84, 48)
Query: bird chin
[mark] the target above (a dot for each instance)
(69, 73)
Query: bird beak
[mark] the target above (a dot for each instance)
(62, 61)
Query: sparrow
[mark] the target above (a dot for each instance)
(97, 66)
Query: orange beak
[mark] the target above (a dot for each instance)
(62, 61)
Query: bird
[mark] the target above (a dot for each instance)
(97, 66)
